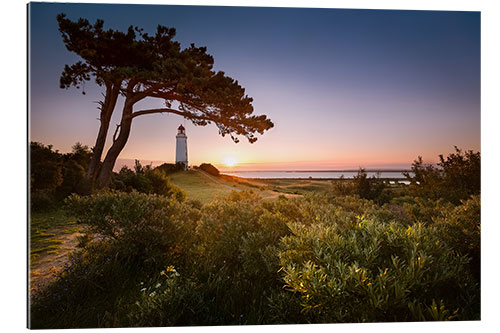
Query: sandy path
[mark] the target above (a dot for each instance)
(48, 265)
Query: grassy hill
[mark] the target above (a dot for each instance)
(198, 186)
(205, 188)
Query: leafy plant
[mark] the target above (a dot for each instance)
(454, 179)
(150, 260)
(373, 272)
(145, 179)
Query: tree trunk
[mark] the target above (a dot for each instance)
(112, 91)
(109, 162)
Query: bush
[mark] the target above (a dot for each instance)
(169, 168)
(367, 188)
(460, 228)
(454, 179)
(422, 209)
(146, 180)
(151, 260)
(43, 200)
(45, 167)
(150, 228)
(132, 236)
(210, 169)
(376, 272)
(53, 176)
(74, 180)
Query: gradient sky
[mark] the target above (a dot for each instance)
(344, 88)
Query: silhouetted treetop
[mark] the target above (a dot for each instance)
(156, 66)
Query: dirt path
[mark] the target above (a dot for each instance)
(48, 265)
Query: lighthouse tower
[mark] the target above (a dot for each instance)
(181, 153)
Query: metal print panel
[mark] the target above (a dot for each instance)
(331, 175)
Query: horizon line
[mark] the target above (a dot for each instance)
(346, 170)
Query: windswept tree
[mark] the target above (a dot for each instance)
(136, 65)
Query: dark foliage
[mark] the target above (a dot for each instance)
(45, 167)
(54, 176)
(460, 227)
(210, 169)
(369, 188)
(147, 180)
(454, 179)
(168, 168)
(361, 185)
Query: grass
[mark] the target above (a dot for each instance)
(292, 186)
(296, 186)
(41, 240)
(197, 186)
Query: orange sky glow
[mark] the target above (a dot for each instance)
(345, 89)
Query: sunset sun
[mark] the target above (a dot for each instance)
(230, 161)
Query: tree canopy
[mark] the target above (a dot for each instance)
(137, 65)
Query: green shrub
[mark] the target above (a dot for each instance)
(362, 186)
(85, 290)
(233, 268)
(460, 228)
(74, 180)
(168, 299)
(59, 174)
(149, 228)
(454, 179)
(376, 272)
(146, 180)
(168, 168)
(342, 186)
(45, 167)
(151, 260)
(422, 209)
(132, 235)
(43, 200)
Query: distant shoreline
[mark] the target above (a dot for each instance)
(351, 170)
(392, 175)
(319, 179)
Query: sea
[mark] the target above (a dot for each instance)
(313, 174)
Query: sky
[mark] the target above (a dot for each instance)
(344, 88)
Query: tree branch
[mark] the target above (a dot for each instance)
(155, 91)
(168, 110)
(116, 132)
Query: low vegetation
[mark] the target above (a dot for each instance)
(198, 187)
(145, 179)
(43, 232)
(54, 176)
(210, 169)
(327, 256)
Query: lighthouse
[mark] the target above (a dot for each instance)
(181, 153)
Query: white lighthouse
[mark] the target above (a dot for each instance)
(181, 153)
